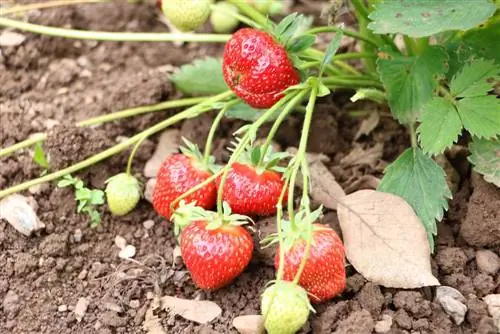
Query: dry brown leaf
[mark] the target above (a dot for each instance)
(200, 311)
(359, 156)
(151, 323)
(324, 187)
(310, 157)
(10, 38)
(385, 240)
(167, 144)
(18, 212)
(363, 182)
(368, 125)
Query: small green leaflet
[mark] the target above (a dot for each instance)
(203, 76)
(39, 156)
(485, 156)
(483, 40)
(410, 81)
(243, 111)
(289, 32)
(419, 18)
(422, 183)
(439, 126)
(330, 52)
(475, 79)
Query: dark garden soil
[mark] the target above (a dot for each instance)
(48, 84)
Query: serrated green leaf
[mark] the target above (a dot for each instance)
(39, 156)
(485, 156)
(83, 194)
(439, 126)
(475, 79)
(301, 43)
(96, 197)
(243, 111)
(65, 183)
(203, 76)
(483, 40)
(419, 18)
(480, 115)
(330, 52)
(410, 81)
(422, 183)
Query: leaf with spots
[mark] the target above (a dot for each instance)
(485, 156)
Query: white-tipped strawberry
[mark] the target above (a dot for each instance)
(186, 15)
(123, 192)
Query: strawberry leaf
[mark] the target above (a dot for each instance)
(419, 18)
(330, 52)
(422, 183)
(480, 115)
(243, 111)
(475, 79)
(39, 156)
(203, 76)
(301, 43)
(410, 81)
(485, 156)
(440, 126)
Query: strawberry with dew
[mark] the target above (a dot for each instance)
(257, 67)
(323, 276)
(123, 192)
(254, 183)
(186, 15)
(214, 247)
(179, 173)
(285, 308)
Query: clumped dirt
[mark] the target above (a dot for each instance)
(48, 84)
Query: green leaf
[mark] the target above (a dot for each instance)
(485, 156)
(203, 76)
(65, 181)
(369, 94)
(96, 197)
(483, 40)
(284, 24)
(81, 204)
(83, 194)
(419, 18)
(422, 183)
(301, 43)
(323, 90)
(330, 52)
(410, 81)
(480, 115)
(475, 79)
(39, 156)
(243, 111)
(440, 126)
(95, 217)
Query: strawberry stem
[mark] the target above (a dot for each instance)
(132, 154)
(188, 113)
(48, 4)
(347, 32)
(252, 13)
(213, 128)
(108, 118)
(113, 36)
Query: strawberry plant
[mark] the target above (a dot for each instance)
(435, 64)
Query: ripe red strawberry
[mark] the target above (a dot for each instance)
(179, 173)
(324, 273)
(216, 249)
(257, 68)
(254, 188)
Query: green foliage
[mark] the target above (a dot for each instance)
(330, 52)
(39, 156)
(422, 183)
(203, 76)
(243, 111)
(419, 18)
(410, 81)
(485, 156)
(440, 126)
(475, 79)
(87, 199)
(483, 40)
(289, 32)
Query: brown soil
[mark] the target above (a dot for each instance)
(50, 83)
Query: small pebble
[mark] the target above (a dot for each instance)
(487, 261)
(81, 308)
(127, 252)
(148, 224)
(78, 235)
(150, 295)
(134, 303)
(120, 242)
(384, 325)
(82, 275)
(62, 308)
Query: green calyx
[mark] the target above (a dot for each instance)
(185, 214)
(296, 231)
(263, 159)
(192, 151)
(290, 32)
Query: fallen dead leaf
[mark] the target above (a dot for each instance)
(149, 189)
(364, 182)
(18, 212)
(385, 240)
(368, 125)
(10, 38)
(360, 156)
(199, 311)
(249, 324)
(168, 143)
(311, 157)
(81, 308)
(151, 323)
(324, 187)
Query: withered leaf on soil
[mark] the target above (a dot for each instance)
(16, 210)
(200, 311)
(368, 125)
(152, 324)
(385, 240)
(360, 156)
(324, 187)
(168, 143)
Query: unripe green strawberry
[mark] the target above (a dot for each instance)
(122, 193)
(186, 15)
(285, 307)
(223, 23)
